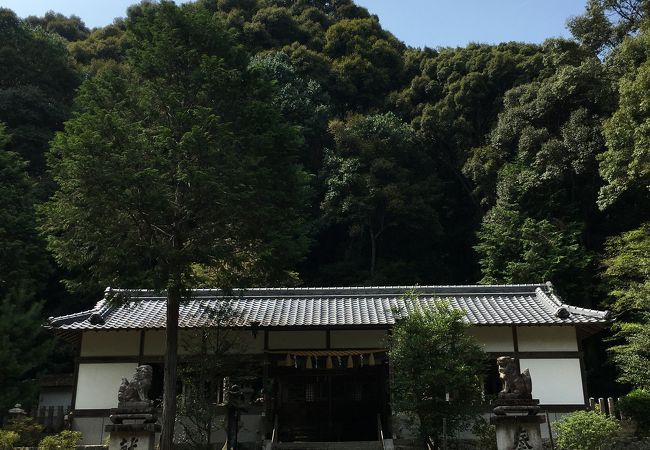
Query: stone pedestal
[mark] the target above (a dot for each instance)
(133, 412)
(136, 436)
(518, 432)
(133, 426)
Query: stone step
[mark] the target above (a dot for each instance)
(356, 445)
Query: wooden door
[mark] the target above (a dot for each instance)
(331, 405)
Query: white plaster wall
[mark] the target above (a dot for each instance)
(189, 343)
(494, 339)
(246, 343)
(358, 338)
(110, 343)
(92, 429)
(154, 343)
(547, 339)
(240, 341)
(297, 340)
(555, 381)
(97, 384)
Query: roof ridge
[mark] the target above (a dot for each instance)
(598, 314)
(346, 290)
(58, 319)
(555, 300)
(557, 308)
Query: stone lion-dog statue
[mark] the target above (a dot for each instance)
(515, 385)
(136, 390)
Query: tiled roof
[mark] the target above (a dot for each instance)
(531, 304)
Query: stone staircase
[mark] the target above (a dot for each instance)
(356, 445)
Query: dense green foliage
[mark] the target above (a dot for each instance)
(539, 173)
(36, 87)
(436, 370)
(636, 405)
(65, 440)
(24, 268)
(8, 439)
(586, 430)
(626, 270)
(486, 434)
(513, 162)
(29, 431)
(25, 346)
(606, 23)
(378, 179)
(188, 175)
(172, 160)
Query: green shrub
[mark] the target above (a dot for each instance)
(29, 431)
(7, 439)
(636, 405)
(65, 440)
(586, 430)
(486, 434)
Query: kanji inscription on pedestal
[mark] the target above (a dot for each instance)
(129, 445)
(523, 441)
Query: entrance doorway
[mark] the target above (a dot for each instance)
(332, 404)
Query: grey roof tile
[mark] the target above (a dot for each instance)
(534, 304)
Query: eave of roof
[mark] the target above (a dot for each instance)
(337, 307)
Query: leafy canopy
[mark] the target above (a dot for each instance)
(625, 166)
(174, 159)
(606, 23)
(586, 430)
(378, 178)
(539, 174)
(24, 347)
(37, 83)
(627, 263)
(432, 357)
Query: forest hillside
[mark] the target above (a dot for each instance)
(508, 163)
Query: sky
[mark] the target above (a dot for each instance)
(418, 23)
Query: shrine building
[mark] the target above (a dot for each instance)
(320, 370)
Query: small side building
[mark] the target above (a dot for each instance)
(320, 353)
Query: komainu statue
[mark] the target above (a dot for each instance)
(515, 385)
(136, 390)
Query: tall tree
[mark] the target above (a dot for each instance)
(366, 62)
(453, 100)
(25, 346)
(378, 179)
(605, 23)
(107, 44)
(301, 101)
(70, 28)
(23, 258)
(516, 249)
(627, 273)
(175, 159)
(437, 369)
(37, 85)
(539, 174)
(625, 166)
(23, 271)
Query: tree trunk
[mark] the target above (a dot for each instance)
(171, 353)
(373, 252)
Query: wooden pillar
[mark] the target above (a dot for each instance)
(515, 344)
